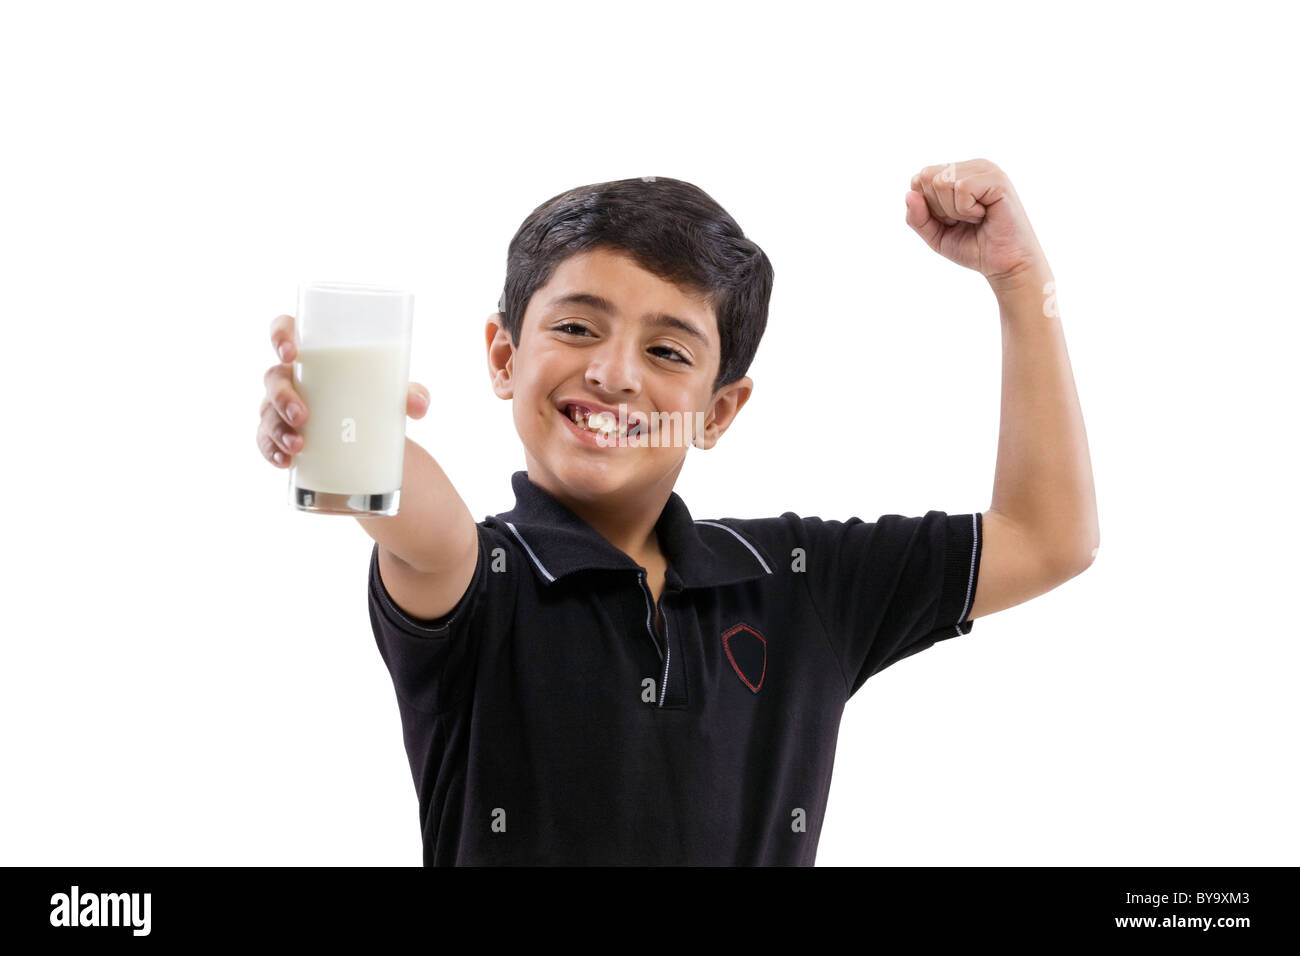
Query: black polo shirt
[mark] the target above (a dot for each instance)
(548, 721)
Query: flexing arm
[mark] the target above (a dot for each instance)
(1041, 528)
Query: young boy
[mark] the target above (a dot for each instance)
(597, 677)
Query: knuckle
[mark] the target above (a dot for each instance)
(281, 332)
(284, 397)
(282, 435)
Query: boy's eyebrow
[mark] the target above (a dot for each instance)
(600, 303)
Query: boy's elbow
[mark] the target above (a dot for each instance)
(1068, 561)
(1083, 559)
(1086, 540)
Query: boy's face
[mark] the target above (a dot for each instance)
(575, 351)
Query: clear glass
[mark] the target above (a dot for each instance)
(352, 368)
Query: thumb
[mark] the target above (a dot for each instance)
(417, 400)
(919, 218)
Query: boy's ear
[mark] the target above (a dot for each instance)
(500, 355)
(727, 404)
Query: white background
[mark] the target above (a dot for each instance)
(188, 672)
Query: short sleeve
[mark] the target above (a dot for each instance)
(891, 588)
(428, 659)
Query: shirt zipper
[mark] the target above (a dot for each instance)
(667, 652)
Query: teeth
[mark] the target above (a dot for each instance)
(603, 422)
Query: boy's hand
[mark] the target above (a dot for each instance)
(283, 408)
(969, 212)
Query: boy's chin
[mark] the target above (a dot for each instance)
(587, 477)
(591, 475)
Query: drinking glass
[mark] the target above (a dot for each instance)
(352, 367)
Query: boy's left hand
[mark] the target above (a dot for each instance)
(969, 212)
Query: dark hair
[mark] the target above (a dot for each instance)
(672, 229)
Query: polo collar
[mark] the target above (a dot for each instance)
(558, 542)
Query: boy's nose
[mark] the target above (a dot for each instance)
(615, 368)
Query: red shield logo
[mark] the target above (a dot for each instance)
(747, 651)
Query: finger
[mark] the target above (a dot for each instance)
(946, 186)
(281, 395)
(979, 190)
(923, 183)
(283, 437)
(935, 184)
(934, 203)
(271, 449)
(955, 186)
(941, 188)
(417, 400)
(282, 338)
(978, 185)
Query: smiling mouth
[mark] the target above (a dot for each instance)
(601, 423)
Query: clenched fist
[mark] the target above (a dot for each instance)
(969, 212)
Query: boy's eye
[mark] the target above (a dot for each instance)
(671, 351)
(676, 356)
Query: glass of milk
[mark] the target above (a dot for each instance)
(352, 367)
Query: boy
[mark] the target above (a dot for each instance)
(595, 677)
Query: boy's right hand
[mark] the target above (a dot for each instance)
(283, 410)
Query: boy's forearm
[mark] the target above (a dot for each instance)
(426, 532)
(1043, 479)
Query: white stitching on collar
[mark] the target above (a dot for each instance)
(741, 540)
(549, 576)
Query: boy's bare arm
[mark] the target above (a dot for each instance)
(1043, 478)
(428, 551)
(1041, 528)
(433, 532)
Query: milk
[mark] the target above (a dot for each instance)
(354, 438)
